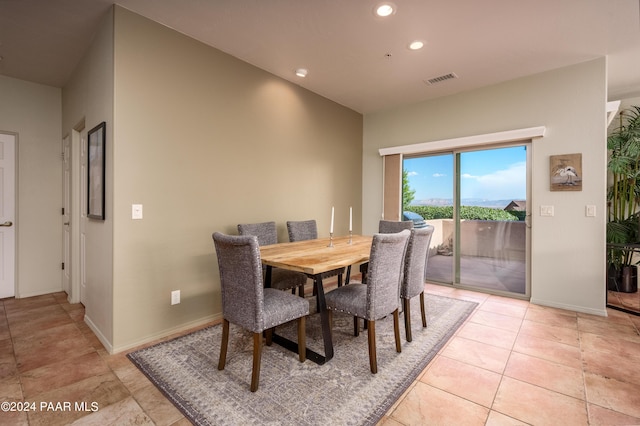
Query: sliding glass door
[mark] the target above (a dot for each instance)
(477, 202)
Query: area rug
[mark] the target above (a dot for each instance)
(343, 391)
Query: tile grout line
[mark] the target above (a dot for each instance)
(502, 375)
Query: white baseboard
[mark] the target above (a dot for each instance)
(103, 339)
(165, 333)
(41, 292)
(598, 312)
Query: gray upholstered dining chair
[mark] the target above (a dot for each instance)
(414, 272)
(387, 227)
(246, 303)
(281, 279)
(392, 226)
(302, 230)
(379, 297)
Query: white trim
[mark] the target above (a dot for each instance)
(612, 110)
(499, 137)
(567, 307)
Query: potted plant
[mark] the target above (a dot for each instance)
(623, 198)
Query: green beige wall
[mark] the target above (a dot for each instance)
(205, 141)
(568, 250)
(33, 112)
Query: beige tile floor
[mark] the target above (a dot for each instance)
(511, 363)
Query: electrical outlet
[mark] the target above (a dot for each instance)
(175, 297)
(546, 210)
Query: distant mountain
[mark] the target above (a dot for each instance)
(434, 202)
(439, 202)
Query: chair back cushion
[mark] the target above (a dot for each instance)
(241, 280)
(266, 232)
(416, 262)
(392, 226)
(386, 263)
(302, 230)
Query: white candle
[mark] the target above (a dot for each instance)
(331, 230)
(350, 219)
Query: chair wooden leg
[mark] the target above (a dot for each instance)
(257, 356)
(396, 330)
(371, 332)
(424, 316)
(407, 318)
(356, 326)
(268, 334)
(224, 344)
(302, 340)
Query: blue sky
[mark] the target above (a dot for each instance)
(496, 174)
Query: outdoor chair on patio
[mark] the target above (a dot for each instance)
(379, 297)
(281, 279)
(246, 303)
(414, 272)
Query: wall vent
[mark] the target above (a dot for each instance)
(440, 79)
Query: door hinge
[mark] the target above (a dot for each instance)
(63, 266)
(63, 211)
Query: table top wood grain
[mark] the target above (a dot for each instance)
(314, 257)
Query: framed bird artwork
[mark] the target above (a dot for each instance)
(565, 172)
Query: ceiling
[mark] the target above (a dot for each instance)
(354, 57)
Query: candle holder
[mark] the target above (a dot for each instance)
(330, 239)
(350, 235)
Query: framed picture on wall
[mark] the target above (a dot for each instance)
(96, 172)
(566, 172)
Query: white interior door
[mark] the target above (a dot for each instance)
(66, 216)
(7, 215)
(73, 216)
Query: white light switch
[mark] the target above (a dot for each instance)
(590, 211)
(136, 211)
(546, 210)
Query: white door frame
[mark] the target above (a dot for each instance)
(76, 215)
(66, 216)
(11, 257)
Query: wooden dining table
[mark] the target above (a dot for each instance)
(316, 258)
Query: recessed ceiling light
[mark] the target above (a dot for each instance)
(301, 72)
(416, 45)
(385, 9)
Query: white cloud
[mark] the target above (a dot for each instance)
(507, 183)
(438, 175)
(412, 173)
